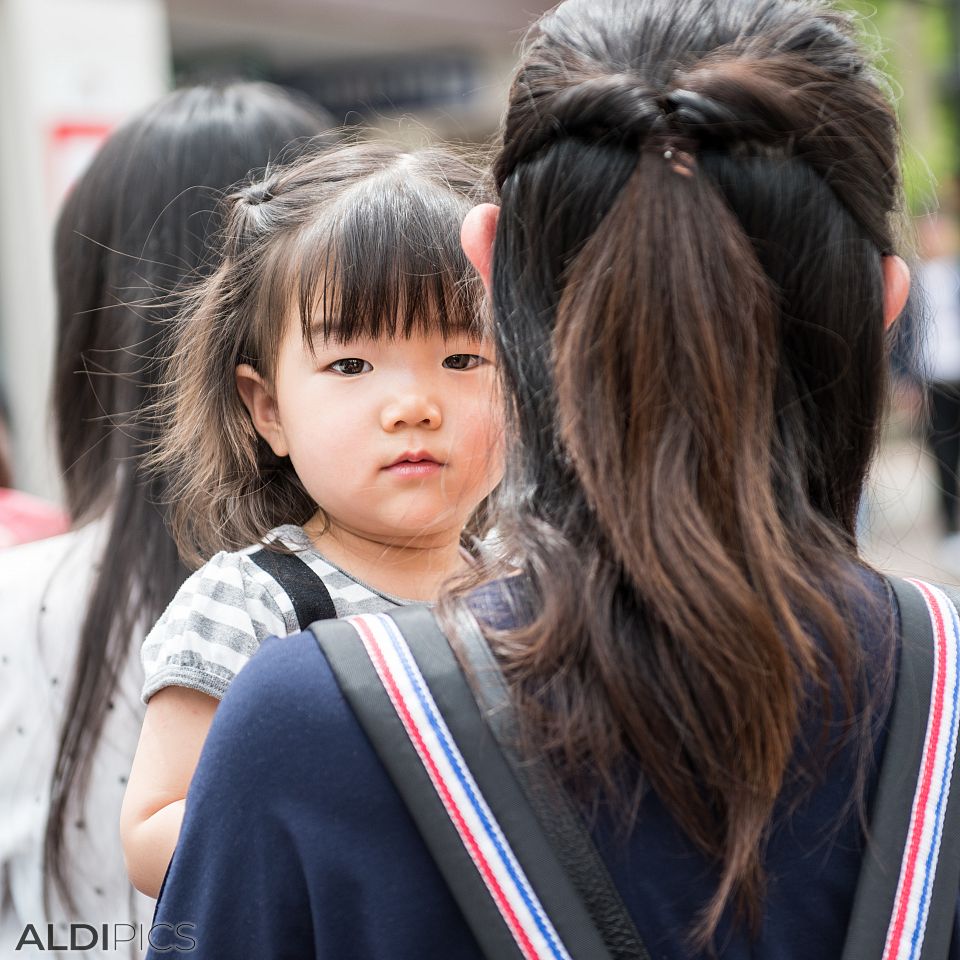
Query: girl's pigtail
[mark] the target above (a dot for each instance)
(209, 448)
(248, 216)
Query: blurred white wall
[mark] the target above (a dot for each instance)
(70, 70)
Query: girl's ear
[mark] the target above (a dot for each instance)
(476, 237)
(896, 289)
(262, 407)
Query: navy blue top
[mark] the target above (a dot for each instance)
(296, 844)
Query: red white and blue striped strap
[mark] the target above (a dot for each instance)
(908, 924)
(477, 827)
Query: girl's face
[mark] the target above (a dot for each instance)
(396, 440)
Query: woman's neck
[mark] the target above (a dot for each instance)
(413, 570)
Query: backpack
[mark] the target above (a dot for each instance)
(515, 853)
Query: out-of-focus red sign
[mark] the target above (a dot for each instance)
(71, 146)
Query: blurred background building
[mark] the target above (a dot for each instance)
(415, 70)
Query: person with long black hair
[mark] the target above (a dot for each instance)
(692, 270)
(138, 225)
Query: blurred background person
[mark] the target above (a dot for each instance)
(939, 276)
(136, 228)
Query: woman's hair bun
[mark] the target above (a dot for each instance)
(621, 107)
(614, 104)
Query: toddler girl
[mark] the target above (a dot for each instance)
(331, 428)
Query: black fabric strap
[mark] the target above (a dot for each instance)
(546, 833)
(308, 593)
(560, 821)
(890, 817)
(494, 776)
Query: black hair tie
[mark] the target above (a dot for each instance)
(697, 114)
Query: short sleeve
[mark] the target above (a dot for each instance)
(213, 626)
(295, 843)
(236, 875)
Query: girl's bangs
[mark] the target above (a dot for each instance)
(387, 264)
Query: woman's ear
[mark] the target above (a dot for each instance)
(896, 289)
(476, 237)
(262, 407)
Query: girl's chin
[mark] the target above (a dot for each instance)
(420, 531)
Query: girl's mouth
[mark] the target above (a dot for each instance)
(416, 463)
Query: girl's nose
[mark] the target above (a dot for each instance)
(410, 410)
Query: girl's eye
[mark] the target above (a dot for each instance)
(351, 366)
(463, 361)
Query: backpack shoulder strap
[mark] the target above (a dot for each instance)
(306, 590)
(556, 815)
(410, 696)
(906, 896)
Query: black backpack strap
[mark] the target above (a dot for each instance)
(306, 590)
(906, 896)
(410, 695)
(560, 821)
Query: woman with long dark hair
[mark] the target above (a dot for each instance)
(692, 270)
(139, 224)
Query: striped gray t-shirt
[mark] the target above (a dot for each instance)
(225, 610)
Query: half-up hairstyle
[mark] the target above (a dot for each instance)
(688, 304)
(360, 241)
